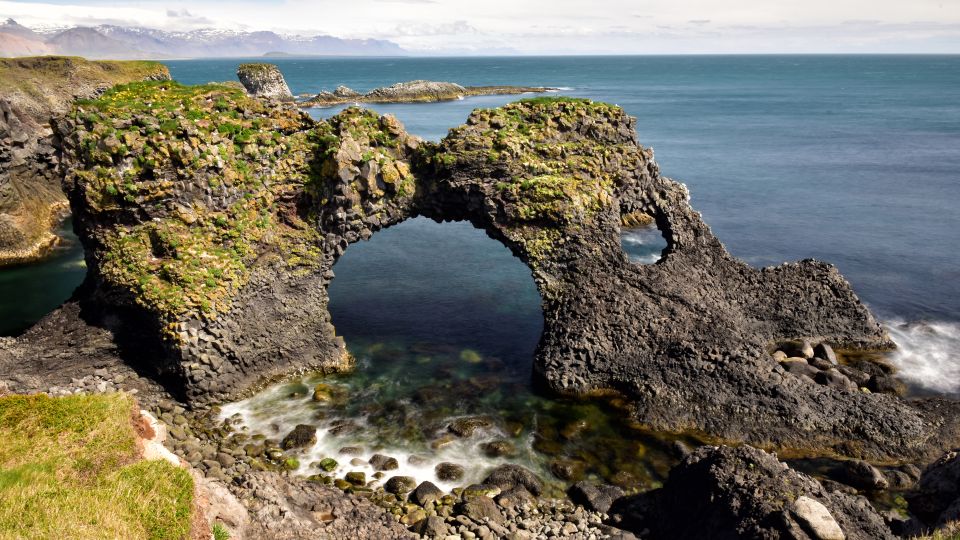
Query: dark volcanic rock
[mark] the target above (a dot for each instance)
(302, 436)
(380, 462)
(509, 476)
(449, 472)
(426, 493)
(721, 493)
(593, 496)
(685, 341)
(938, 488)
(862, 475)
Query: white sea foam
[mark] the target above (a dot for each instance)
(928, 354)
(273, 414)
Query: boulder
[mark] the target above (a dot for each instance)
(499, 448)
(744, 492)
(264, 81)
(825, 352)
(509, 476)
(426, 493)
(448, 472)
(302, 436)
(480, 508)
(862, 475)
(814, 517)
(466, 427)
(938, 488)
(514, 497)
(380, 462)
(431, 527)
(594, 497)
(400, 485)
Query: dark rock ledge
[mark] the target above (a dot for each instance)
(211, 222)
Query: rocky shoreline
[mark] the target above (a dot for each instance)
(415, 92)
(211, 221)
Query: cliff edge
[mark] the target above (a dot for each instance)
(32, 91)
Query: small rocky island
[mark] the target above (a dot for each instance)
(211, 221)
(266, 81)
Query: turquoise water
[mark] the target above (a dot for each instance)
(28, 292)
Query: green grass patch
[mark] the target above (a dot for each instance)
(69, 469)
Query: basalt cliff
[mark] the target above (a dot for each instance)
(212, 220)
(32, 92)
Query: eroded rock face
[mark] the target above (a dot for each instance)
(32, 91)
(746, 493)
(264, 81)
(214, 222)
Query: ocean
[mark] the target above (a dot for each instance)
(853, 160)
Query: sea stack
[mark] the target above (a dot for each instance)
(264, 81)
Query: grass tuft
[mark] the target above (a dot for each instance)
(69, 468)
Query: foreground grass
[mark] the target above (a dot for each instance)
(69, 469)
(949, 532)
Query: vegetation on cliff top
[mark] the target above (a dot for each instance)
(554, 171)
(215, 166)
(70, 467)
(367, 151)
(45, 84)
(203, 180)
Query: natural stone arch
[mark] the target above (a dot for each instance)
(183, 179)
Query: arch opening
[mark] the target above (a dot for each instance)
(642, 239)
(443, 322)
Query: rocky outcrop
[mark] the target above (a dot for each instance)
(746, 493)
(936, 499)
(212, 222)
(264, 81)
(32, 91)
(414, 92)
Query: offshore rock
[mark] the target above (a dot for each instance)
(414, 92)
(32, 92)
(264, 81)
(746, 493)
(213, 229)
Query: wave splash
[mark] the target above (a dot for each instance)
(928, 354)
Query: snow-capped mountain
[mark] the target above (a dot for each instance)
(120, 42)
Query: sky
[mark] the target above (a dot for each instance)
(549, 26)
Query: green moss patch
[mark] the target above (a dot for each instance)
(554, 174)
(169, 151)
(69, 468)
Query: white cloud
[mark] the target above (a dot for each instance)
(552, 26)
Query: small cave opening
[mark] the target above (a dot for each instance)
(642, 241)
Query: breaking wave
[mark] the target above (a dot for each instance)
(928, 354)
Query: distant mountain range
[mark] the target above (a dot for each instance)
(118, 42)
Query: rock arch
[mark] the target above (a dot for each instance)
(217, 218)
